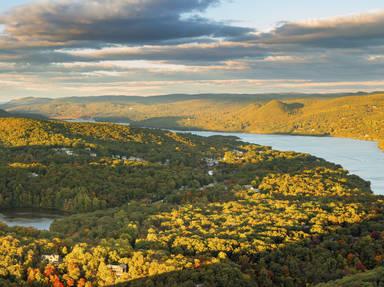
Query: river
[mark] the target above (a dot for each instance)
(362, 158)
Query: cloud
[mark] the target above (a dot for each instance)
(68, 22)
(340, 32)
(286, 59)
(119, 68)
(214, 51)
(375, 58)
(110, 46)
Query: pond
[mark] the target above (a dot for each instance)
(39, 219)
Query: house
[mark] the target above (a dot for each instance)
(211, 185)
(238, 152)
(211, 162)
(133, 158)
(93, 155)
(52, 259)
(250, 187)
(64, 150)
(67, 151)
(118, 270)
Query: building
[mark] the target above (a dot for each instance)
(211, 162)
(65, 150)
(52, 259)
(250, 187)
(118, 270)
(137, 159)
(211, 172)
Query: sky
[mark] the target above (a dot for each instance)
(63, 48)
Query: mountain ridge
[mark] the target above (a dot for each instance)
(357, 115)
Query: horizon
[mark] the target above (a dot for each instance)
(351, 93)
(189, 47)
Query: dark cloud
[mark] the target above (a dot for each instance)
(58, 43)
(342, 32)
(65, 22)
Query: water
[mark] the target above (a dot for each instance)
(362, 158)
(38, 219)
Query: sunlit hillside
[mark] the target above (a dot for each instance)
(178, 210)
(351, 116)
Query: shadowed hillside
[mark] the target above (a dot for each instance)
(373, 278)
(4, 114)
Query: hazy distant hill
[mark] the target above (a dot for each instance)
(3, 113)
(359, 115)
(25, 102)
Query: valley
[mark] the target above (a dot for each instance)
(175, 206)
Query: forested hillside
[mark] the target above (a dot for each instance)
(155, 208)
(358, 116)
(373, 278)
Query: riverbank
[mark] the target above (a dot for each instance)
(40, 219)
(360, 157)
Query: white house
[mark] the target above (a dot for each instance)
(119, 270)
(52, 259)
(133, 158)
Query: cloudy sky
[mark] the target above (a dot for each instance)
(146, 47)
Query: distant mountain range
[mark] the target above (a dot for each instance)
(171, 98)
(356, 115)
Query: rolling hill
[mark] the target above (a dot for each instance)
(359, 116)
(145, 199)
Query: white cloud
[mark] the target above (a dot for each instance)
(285, 59)
(152, 66)
(375, 58)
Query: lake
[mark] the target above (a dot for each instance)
(362, 158)
(39, 219)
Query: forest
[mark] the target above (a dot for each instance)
(147, 207)
(358, 116)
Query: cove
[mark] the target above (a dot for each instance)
(362, 158)
(36, 218)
